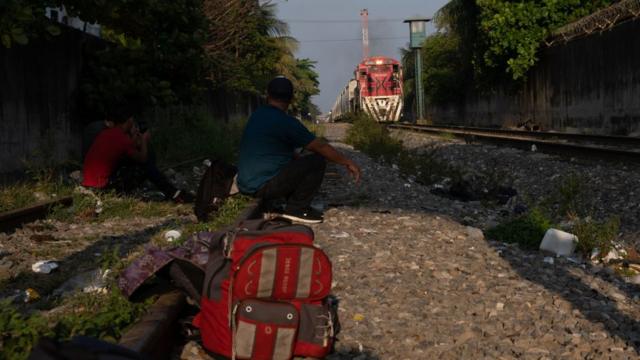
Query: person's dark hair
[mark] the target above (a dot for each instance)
(120, 113)
(281, 89)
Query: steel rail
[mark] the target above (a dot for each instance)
(583, 138)
(156, 333)
(13, 219)
(506, 138)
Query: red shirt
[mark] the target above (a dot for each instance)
(107, 150)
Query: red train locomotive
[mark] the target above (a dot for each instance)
(376, 90)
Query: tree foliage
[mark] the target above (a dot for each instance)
(165, 52)
(515, 30)
(481, 44)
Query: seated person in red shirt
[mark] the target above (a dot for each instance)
(120, 159)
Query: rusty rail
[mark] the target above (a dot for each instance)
(13, 219)
(569, 144)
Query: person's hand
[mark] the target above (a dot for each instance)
(354, 170)
(146, 136)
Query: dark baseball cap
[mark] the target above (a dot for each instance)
(280, 88)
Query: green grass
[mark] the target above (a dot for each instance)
(114, 206)
(527, 230)
(24, 194)
(103, 316)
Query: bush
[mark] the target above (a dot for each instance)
(372, 138)
(596, 235)
(190, 134)
(527, 230)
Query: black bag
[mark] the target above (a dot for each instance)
(215, 187)
(81, 347)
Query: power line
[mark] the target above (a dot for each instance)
(346, 40)
(311, 21)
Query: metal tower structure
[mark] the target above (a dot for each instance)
(365, 33)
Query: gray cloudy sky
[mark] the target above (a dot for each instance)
(317, 24)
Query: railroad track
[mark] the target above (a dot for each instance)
(13, 219)
(617, 148)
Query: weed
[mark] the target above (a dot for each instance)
(113, 206)
(596, 235)
(373, 139)
(569, 198)
(103, 316)
(189, 134)
(225, 216)
(316, 129)
(28, 193)
(527, 230)
(447, 136)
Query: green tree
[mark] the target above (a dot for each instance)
(515, 30)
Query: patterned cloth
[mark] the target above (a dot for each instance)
(195, 250)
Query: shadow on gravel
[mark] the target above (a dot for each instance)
(84, 260)
(593, 305)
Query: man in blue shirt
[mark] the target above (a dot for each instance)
(268, 167)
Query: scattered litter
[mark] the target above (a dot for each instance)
(500, 306)
(172, 235)
(534, 148)
(559, 242)
(44, 266)
(612, 255)
(207, 163)
(358, 317)
(94, 281)
(548, 260)
(31, 295)
(574, 260)
(341, 235)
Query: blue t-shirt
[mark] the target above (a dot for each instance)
(267, 145)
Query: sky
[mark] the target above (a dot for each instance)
(329, 32)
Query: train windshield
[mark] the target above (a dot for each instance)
(380, 68)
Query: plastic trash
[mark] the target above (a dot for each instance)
(172, 235)
(44, 266)
(548, 260)
(559, 242)
(31, 295)
(341, 235)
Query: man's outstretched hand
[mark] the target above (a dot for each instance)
(354, 170)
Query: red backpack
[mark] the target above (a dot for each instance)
(266, 295)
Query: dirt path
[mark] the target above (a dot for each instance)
(415, 283)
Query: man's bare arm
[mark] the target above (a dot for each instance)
(143, 152)
(330, 153)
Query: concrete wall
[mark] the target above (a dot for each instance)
(590, 84)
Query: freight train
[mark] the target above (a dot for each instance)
(376, 90)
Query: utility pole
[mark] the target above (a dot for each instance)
(418, 28)
(364, 14)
